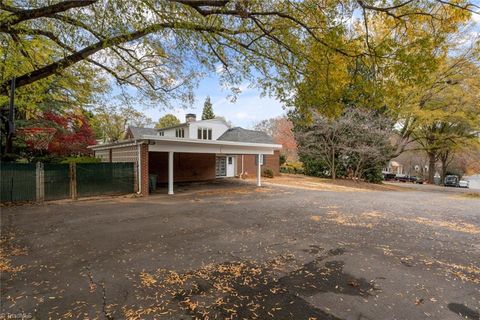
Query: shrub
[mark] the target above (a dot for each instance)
(373, 175)
(268, 173)
(293, 168)
(80, 159)
(315, 167)
(282, 159)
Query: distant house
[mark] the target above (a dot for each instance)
(393, 167)
(193, 151)
(411, 163)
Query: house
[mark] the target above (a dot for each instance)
(410, 162)
(193, 151)
(393, 167)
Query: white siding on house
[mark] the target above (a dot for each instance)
(171, 132)
(218, 127)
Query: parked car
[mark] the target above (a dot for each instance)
(418, 180)
(464, 184)
(388, 176)
(451, 181)
(407, 178)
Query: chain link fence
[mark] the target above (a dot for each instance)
(38, 182)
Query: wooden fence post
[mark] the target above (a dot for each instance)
(40, 182)
(73, 181)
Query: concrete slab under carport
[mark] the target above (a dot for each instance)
(222, 185)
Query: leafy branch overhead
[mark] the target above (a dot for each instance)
(162, 47)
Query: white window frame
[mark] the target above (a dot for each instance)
(161, 133)
(205, 133)
(180, 133)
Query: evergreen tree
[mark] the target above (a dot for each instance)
(207, 110)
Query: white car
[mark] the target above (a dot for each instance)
(463, 184)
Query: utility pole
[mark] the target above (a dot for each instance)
(11, 119)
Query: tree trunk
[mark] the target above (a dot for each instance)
(334, 173)
(444, 161)
(431, 167)
(444, 172)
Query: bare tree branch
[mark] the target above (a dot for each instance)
(46, 11)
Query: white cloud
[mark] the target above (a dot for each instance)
(244, 116)
(476, 17)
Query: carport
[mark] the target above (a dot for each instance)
(195, 160)
(180, 159)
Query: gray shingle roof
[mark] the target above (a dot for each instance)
(243, 135)
(138, 132)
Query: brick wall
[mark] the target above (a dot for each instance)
(270, 161)
(144, 160)
(186, 166)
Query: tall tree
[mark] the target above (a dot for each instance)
(207, 112)
(110, 123)
(281, 130)
(356, 142)
(447, 116)
(167, 120)
(72, 134)
(161, 46)
(75, 87)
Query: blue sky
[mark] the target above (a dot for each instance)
(248, 108)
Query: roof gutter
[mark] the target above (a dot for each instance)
(212, 142)
(118, 144)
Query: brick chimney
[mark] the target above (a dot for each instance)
(190, 117)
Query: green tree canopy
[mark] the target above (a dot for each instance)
(161, 47)
(110, 123)
(167, 120)
(207, 112)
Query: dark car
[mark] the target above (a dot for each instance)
(415, 179)
(389, 176)
(402, 178)
(451, 181)
(407, 178)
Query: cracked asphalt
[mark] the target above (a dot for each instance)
(232, 250)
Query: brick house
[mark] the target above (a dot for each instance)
(193, 151)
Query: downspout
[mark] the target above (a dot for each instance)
(243, 172)
(139, 167)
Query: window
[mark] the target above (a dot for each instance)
(204, 133)
(230, 160)
(180, 133)
(161, 133)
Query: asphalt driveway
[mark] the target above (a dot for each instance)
(241, 252)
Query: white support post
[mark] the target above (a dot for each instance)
(243, 171)
(170, 172)
(259, 171)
